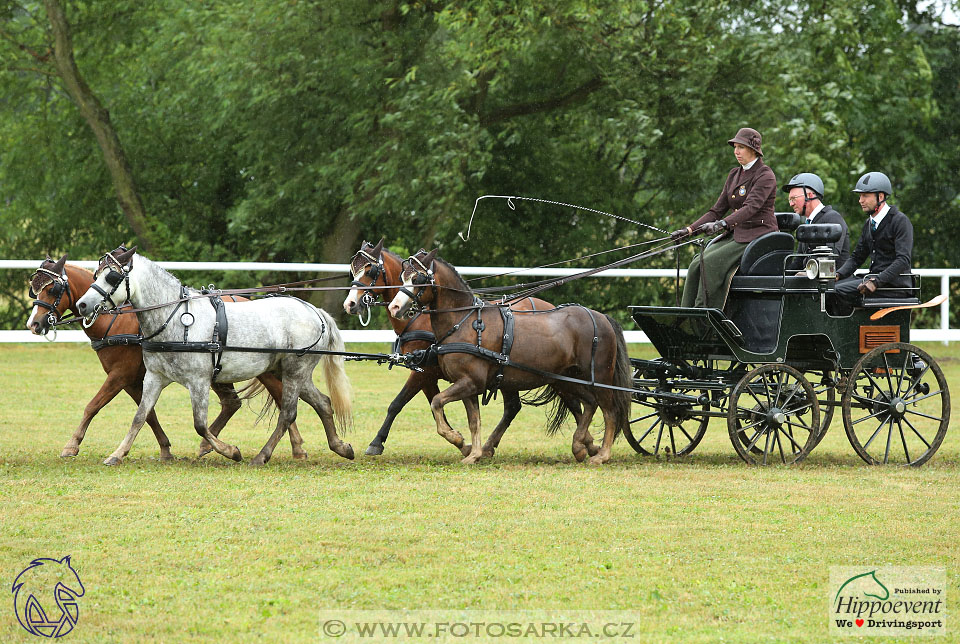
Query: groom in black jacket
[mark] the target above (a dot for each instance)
(887, 238)
(805, 192)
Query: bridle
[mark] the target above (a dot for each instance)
(373, 269)
(423, 277)
(59, 284)
(118, 274)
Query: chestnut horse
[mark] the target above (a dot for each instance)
(571, 342)
(55, 287)
(376, 274)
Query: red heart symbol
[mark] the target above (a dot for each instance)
(859, 622)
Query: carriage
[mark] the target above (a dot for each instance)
(779, 361)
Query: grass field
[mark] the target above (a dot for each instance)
(704, 549)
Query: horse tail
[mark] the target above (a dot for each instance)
(558, 411)
(338, 385)
(251, 390)
(622, 377)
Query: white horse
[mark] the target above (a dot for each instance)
(175, 314)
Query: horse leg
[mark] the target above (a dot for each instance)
(229, 405)
(610, 431)
(275, 388)
(152, 386)
(321, 404)
(457, 391)
(511, 407)
(135, 391)
(108, 391)
(472, 405)
(409, 391)
(576, 410)
(579, 446)
(199, 399)
(288, 414)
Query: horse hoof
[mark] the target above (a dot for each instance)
(69, 452)
(166, 456)
(204, 450)
(346, 451)
(596, 460)
(471, 460)
(592, 449)
(374, 450)
(580, 454)
(300, 456)
(466, 449)
(236, 455)
(113, 460)
(488, 452)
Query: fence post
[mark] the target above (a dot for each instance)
(945, 307)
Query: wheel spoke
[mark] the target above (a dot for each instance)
(766, 448)
(637, 420)
(903, 372)
(919, 435)
(920, 413)
(914, 401)
(647, 433)
(903, 440)
(876, 385)
(886, 365)
(879, 427)
(792, 440)
(886, 451)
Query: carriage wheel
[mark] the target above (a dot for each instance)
(659, 426)
(896, 405)
(773, 416)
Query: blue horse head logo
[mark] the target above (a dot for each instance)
(45, 597)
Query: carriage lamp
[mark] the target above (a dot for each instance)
(821, 268)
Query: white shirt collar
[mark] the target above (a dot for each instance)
(750, 165)
(877, 218)
(816, 211)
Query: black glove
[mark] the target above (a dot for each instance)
(677, 235)
(713, 227)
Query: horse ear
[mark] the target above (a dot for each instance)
(58, 267)
(377, 249)
(126, 256)
(428, 260)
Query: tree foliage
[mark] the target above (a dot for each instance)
(289, 131)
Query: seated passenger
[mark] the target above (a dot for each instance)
(805, 192)
(750, 190)
(887, 239)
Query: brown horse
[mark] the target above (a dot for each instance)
(570, 342)
(376, 274)
(55, 287)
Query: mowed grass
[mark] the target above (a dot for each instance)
(702, 549)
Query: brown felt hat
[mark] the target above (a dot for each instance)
(749, 137)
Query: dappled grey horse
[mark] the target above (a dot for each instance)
(182, 330)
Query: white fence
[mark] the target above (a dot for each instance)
(943, 334)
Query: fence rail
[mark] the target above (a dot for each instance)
(944, 333)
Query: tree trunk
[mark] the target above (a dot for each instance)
(342, 242)
(98, 118)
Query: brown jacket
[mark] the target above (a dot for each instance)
(750, 194)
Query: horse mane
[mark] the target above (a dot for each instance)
(463, 283)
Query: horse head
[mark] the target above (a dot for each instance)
(366, 268)
(111, 284)
(48, 284)
(417, 275)
(42, 578)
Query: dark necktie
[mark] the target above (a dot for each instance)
(873, 225)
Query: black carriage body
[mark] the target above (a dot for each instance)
(778, 322)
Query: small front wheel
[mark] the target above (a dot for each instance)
(773, 416)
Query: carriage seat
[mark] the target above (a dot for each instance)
(819, 234)
(788, 222)
(765, 255)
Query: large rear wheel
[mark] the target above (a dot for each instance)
(896, 405)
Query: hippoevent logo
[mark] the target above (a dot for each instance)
(889, 600)
(45, 597)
